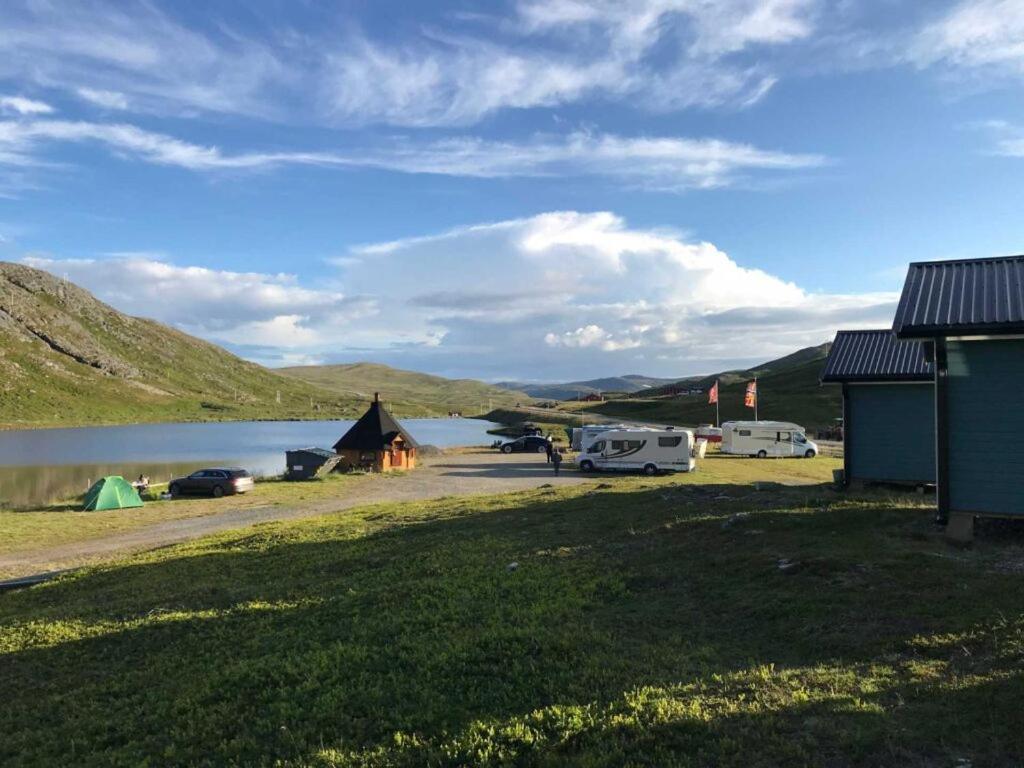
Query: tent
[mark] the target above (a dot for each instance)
(112, 492)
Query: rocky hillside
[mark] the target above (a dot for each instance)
(68, 358)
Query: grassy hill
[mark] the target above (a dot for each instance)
(647, 622)
(66, 358)
(432, 393)
(788, 390)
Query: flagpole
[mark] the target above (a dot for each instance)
(756, 398)
(718, 418)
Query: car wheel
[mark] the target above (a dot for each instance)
(586, 466)
(650, 470)
(809, 453)
(218, 491)
(541, 449)
(506, 449)
(762, 454)
(174, 490)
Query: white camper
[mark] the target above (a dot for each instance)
(632, 448)
(766, 438)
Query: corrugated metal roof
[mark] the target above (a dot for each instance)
(875, 356)
(962, 297)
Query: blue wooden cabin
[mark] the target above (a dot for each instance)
(888, 407)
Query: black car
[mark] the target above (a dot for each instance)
(213, 482)
(530, 444)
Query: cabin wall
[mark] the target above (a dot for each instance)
(890, 432)
(381, 461)
(985, 416)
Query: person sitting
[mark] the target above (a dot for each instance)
(142, 484)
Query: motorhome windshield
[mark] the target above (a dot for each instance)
(799, 438)
(596, 447)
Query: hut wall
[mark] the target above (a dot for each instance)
(890, 432)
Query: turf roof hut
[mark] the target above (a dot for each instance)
(970, 313)
(377, 442)
(888, 407)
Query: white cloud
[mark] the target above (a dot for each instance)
(23, 106)
(556, 295)
(664, 162)
(101, 98)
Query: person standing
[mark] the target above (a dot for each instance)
(549, 448)
(556, 459)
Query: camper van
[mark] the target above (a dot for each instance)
(585, 435)
(648, 450)
(766, 438)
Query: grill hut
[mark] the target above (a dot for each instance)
(377, 442)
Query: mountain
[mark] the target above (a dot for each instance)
(572, 389)
(788, 390)
(67, 358)
(436, 394)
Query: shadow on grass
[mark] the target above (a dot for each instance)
(409, 639)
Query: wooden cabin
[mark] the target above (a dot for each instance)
(888, 407)
(970, 314)
(377, 442)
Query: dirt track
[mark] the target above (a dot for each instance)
(460, 474)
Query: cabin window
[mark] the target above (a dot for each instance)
(634, 445)
(367, 456)
(597, 447)
(618, 445)
(783, 437)
(670, 442)
(744, 433)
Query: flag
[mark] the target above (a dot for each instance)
(751, 399)
(713, 394)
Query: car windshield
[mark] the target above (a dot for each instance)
(200, 473)
(799, 438)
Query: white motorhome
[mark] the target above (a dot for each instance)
(766, 438)
(632, 448)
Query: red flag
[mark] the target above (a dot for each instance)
(751, 399)
(713, 394)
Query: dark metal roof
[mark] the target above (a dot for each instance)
(874, 356)
(375, 431)
(974, 296)
(321, 452)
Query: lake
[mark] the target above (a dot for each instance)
(38, 466)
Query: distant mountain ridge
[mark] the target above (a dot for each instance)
(788, 389)
(572, 389)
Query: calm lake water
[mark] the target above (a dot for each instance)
(42, 465)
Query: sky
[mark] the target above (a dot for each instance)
(526, 190)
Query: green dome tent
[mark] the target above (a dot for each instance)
(112, 492)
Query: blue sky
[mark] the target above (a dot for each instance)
(528, 190)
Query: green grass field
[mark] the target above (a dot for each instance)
(644, 624)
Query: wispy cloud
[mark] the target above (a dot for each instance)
(975, 35)
(22, 106)
(664, 162)
(101, 98)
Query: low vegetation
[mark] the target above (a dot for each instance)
(691, 620)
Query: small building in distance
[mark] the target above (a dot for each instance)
(307, 463)
(888, 407)
(971, 314)
(377, 442)
(593, 397)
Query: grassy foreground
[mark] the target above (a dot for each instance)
(645, 623)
